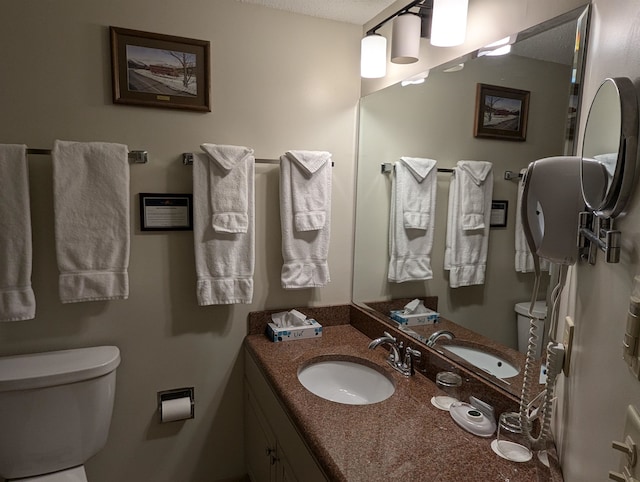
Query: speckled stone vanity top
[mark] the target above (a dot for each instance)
(402, 438)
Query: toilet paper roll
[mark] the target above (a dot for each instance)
(176, 409)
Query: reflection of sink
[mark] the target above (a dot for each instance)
(495, 365)
(346, 381)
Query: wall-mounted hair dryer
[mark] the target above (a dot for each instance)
(551, 203)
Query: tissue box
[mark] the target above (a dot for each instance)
(428, 318)
(313, 330)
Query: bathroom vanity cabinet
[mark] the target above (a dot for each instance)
(274, 451)
(292, 434)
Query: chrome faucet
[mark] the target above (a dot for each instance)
(439, 334)
(403, 364)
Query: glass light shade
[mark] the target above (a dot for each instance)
(449, 22)
(373, 57)
(405, 39)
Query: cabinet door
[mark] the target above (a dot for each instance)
(260, 445)
(284, 470)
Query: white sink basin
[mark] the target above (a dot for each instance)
(348, 382)
(493, 364)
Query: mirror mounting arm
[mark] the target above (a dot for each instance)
(596, 233)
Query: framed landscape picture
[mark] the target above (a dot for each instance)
(156, 70)
(501, 112)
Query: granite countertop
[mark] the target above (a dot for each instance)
(402, 438)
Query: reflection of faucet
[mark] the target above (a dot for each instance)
(439, 334)
(404, 366)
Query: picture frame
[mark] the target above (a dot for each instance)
(501, 112)
(155, 70)
(499, 210)
(166, 212)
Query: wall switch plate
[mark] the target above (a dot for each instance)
(567, 341)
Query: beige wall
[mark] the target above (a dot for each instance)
(279, 81)
(435, 120)
(595, 397)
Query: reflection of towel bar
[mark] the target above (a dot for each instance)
(510, 175)
(137, 157)
(387, 167)
(187, 160)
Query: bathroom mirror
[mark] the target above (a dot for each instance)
(435, 120)
(611, 140)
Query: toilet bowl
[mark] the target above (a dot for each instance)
(524, 324)
(55, 412)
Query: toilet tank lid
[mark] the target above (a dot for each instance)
(38, 370)
(539, 308)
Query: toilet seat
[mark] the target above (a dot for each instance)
(76, 474)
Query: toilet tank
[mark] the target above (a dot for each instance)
(55, 408)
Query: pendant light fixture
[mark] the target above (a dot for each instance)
(405, 39)
(373, 56)
(449, 22)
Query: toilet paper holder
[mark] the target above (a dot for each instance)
(174, 394)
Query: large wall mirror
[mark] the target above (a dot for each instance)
(435, 120)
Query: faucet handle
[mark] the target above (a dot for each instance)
(387, 334)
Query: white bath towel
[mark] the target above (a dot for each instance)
(223, 224)
(523, 257)
(91, 205)
(17, 301)
(305, 216)
(468, 223)
(411, 220)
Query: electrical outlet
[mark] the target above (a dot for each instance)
(567, 341)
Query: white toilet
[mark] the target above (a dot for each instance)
(524, 324)
(55, 412)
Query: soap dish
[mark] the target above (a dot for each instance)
(472, 420)
(442, 402)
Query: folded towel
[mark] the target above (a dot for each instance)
(17, 301)
(524, 258)
(468, 221)
(411, 220)
(228, 196)
(224, 240)
(473, 199)
(305, 215)
(310, 203)
(91, 206)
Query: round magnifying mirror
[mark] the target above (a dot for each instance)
(609, 149)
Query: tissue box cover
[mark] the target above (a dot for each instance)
(428, 318)
(313, 330)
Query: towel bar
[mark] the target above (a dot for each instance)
(387, 167)
(187, 160)
(137, 157)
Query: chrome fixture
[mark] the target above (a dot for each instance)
(439, 334)
(402, 363)
(608, 167)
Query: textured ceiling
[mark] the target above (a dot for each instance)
(358, 12)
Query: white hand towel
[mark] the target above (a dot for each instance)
(91, 205)
(17, 301)
(466, 249)
(228, 175)
(523, 257)
(310, 203)
(473, 200)
(224, 245)
(411, 221)
(305, 216)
